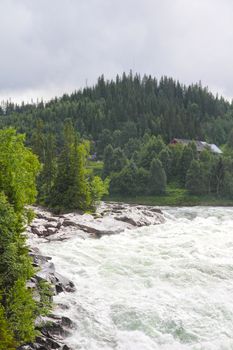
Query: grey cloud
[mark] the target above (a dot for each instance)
(52, 47)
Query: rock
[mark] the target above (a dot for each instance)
(67, 322)
(126, 219)
(156, 210)
(48, 343)
(63, 306)
(62, 284)
(55, 330)
(68, 222)
(51, 231)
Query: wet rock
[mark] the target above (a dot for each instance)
(48, 343)
(68, 222)
(126, 219)
(67, 322)
(57, 327)
(156, 210)
(62, 284)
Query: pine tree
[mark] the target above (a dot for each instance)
(79, 193)
(60, 193)
(47, 176)
(38, 140)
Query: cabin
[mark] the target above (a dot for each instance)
(201, 145)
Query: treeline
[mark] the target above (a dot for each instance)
(145, 167)
(18, 308)
(127, 123)
(113, 112)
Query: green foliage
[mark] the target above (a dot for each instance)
(108, 160)
(165, 158)
(44, 306)
(99, 188)
(157, 178)
(38, 140)
(7, 341)
(119, 160)
(15, 269)
(194, 179)
(185, 161)
(124, 181)
(74, 185)
(18, 169)
(152, 147)
(20, 311)
(47, 176)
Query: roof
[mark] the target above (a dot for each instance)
(201, 145)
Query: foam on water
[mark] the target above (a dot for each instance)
(162, 287)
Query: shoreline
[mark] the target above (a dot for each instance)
(109, 219)
(169, 201)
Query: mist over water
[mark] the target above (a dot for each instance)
(164, 287)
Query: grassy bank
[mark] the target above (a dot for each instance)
(173, 197)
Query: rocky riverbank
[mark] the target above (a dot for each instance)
(110, 218)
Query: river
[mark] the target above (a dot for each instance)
(165, 287)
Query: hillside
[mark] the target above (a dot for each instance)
(128, 123)
(129, 107)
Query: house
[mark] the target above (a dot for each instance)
(201, 145)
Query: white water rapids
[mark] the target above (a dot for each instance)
(164, 287)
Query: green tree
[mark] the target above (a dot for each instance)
(230, 140)
(165, 158)
(38, 140)
(14, 262)
(18, 169)
(7, 341)
(124, 182)
(157, 178)
(20, 311)
(79, 193)
(61, 191)
(194, 178)
(185, 161)
(99, 188)
(206, 162)
(48, 173)
(108, 160)
(150, 150)
(119, 160)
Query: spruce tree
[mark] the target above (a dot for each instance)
(48, 173)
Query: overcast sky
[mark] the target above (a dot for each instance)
(49, 47)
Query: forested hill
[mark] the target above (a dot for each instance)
(112, 112)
